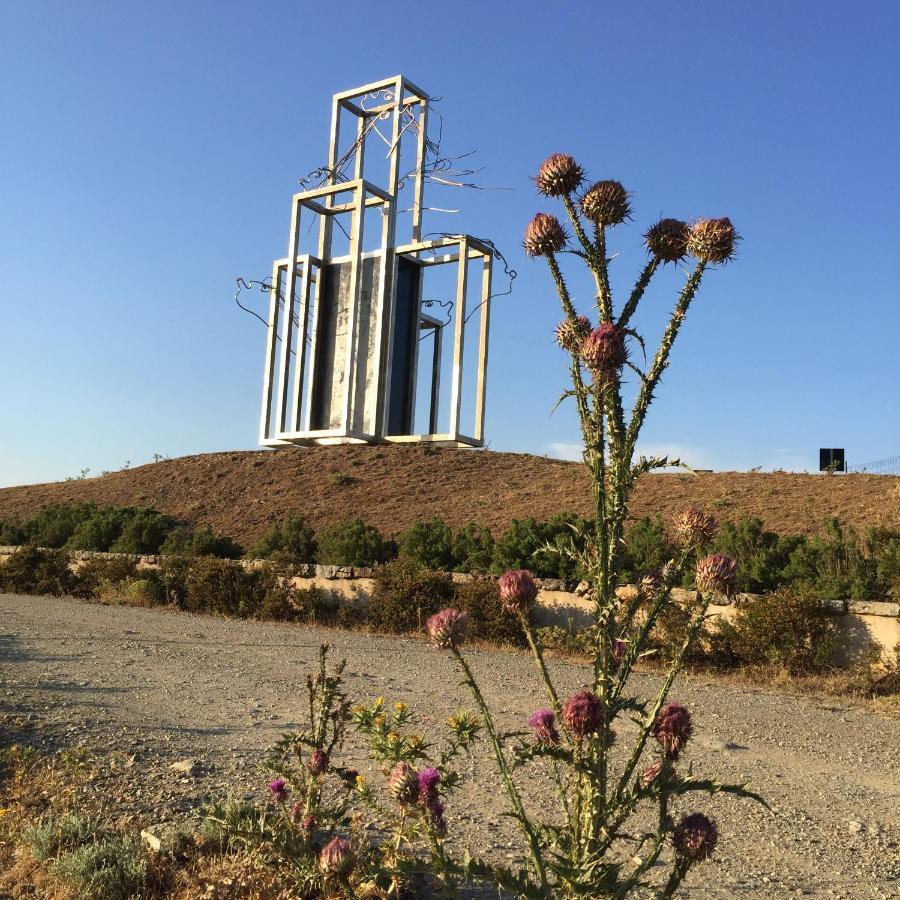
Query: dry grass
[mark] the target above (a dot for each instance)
(240, 494)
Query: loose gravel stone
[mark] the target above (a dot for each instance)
(146, 689)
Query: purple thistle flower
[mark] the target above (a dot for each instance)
(279, 790)
(544, 724)
(447, 628)
(337, 858)
(618, 649)
(604, 350)
(517, 590)
(582, 714)
(428, 782)
(716, 574)
(403, 783)
(309, 823)
(695, 838)
(651, 773)
(673, 729)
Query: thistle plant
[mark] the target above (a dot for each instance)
(598, 842)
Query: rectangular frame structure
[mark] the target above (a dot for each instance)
(294, 383)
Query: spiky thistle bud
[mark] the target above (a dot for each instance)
(403, 784)
(544, 235)
(278, 789)
(517, 590)
(651, 773)
(650, 585)
(716, 574)
(582, 714)
(570, 335)
(606, 203)
(337, 858)
(447, 628)
(667, 240)
(695, 528)
(673, 729)
(712, 240)
(604, 350)
(695, 838)
(628, 593)
(318, 762)
(558, 175)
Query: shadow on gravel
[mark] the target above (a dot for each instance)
(11, 650)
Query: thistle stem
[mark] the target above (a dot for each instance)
(638, 292)
(505, 774)
(645, 396)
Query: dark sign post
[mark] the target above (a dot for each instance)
(832, 460)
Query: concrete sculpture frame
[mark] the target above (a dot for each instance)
(349, 325)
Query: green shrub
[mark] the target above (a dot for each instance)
(284, 603)
(787, 628)
(223, 587)
(98, 573)
(110, 869)
(541, 547)
(203, 542)
(480, 598)
(143, 532)
(50, 837)
(646, 547)
(31, 570)
(12, 534)
(55, 524)
(405, 595)
(473, 549)
(833, 565)
(570, 640)
(353, 544)
(100, 530)
(428, 543)
(291, 542)
(883, 545)
(762, 556)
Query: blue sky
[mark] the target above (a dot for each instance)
(149, 151)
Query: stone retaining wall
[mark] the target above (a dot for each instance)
(566, 604)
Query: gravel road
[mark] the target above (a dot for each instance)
(146, 688)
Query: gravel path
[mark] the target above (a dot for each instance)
(146, 688)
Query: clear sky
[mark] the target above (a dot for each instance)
(149, 150)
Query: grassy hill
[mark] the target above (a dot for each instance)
(239, 493)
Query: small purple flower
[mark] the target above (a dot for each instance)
(279, 790)
(604, 350)
(673, 729)
(544, 724)
(582, 714)
(618, 649)
(318, 762)
(428, 783)
(517, 590)
(695, 838)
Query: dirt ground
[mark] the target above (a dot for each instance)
(241, 493)
(146, 688)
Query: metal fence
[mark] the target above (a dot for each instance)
(890, 465)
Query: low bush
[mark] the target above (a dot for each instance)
(833, 565)
(98, 573)
(488, 621)
(12, 534)
(406, 594)
(113, 868)
(762, 556)
(428, 543)
(223, 587)
(202, 542)
(290, 542)
(31, 570)
(354, 544)
(473, 549)
(544, 548)
(883, 545)
(54, 835)
(787, 629)
(55, 523)
(646, 547)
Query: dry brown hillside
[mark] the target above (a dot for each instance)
(240, 493)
